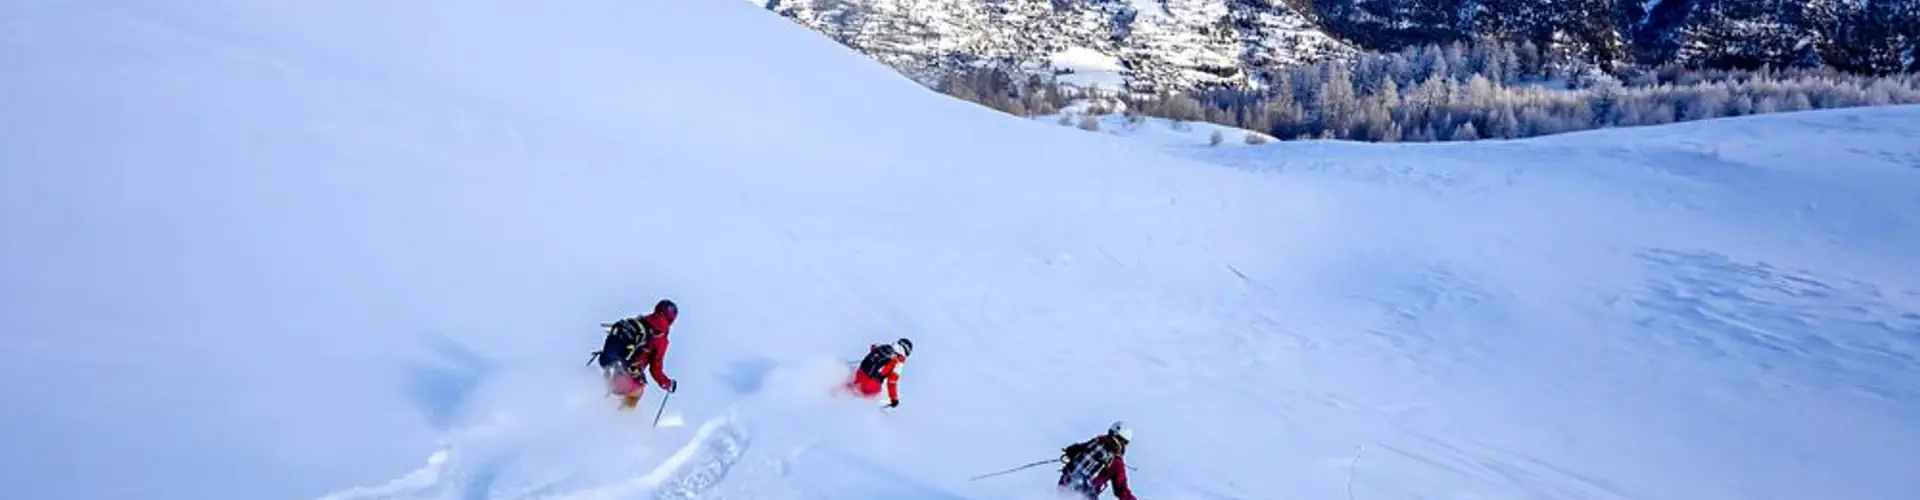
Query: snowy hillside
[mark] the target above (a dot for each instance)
(1178, 45)
(1145, 46)
(358, 249)
(1173, 135)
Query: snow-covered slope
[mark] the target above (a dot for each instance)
(1171, 135)
(294, 250)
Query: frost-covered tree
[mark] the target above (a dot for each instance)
(1465, 132)
(1418, 94)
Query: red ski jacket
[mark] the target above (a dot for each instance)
(654, 355)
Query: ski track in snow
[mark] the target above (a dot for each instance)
(693, 468)
(697, 467)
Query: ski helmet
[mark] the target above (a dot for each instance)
(1122, 431)
(904, 346)
(666, 309)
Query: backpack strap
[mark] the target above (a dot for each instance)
(643, 334)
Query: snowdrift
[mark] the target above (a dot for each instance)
(357, 249)
(1174, 136)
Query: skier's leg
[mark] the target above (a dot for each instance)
(1071, 480)
(869, 387)
(631, 397)
(1076, 491)
(622, 383)
(612, 379)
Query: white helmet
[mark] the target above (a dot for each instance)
(1122, 431)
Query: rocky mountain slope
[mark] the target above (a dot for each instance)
(1160, 45)
(1167, 44)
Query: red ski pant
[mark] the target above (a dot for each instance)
(624, 385)
(864, 386)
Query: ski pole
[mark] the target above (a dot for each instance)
(1015, 469)
(663, 409)
(1350, 467)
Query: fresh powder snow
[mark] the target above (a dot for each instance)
(1154, 131)
(360, 250)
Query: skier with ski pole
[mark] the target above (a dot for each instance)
(1093, 464)
(1089, 466)
(637, 346)
(882, 366)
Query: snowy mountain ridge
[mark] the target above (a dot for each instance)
(1172, 44)
(1175, 45)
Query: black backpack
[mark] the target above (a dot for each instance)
(1085, 461)
(877, 358)
(626, 339)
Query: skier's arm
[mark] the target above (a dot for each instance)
(893, 383)
(893, 387)
(659, 357)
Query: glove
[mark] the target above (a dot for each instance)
(670, 386)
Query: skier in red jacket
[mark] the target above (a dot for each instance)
(1093, 464)
(635, 346)
(882, 365)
